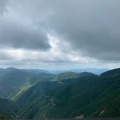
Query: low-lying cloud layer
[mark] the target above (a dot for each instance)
(51, 32)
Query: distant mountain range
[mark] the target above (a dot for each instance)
(29, 94)
(92, 70)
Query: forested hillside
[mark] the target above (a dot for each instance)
(8, 109)
(66, 95)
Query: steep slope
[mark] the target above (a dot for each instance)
(37, 77)
(32, 79)
(112, 72)
(34, 96)
(14, 82)
(40, 77)
(66, 95)
(10, 81)
(40, 97)
(95, 96)
(8, 109)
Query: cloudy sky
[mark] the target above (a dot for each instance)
(60, 34)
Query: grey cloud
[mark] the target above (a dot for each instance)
(90, 26)
(27, 63)
(18, 36)
(101, 44)
(3, 6)
(5, 56)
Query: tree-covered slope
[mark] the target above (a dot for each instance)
(65, 75)
(112, 72)
(66, 95)
(10, 81)
(93, 96)
(34, 78)
(14, 82)
(8, 109)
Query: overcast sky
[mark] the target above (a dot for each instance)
(60, 34)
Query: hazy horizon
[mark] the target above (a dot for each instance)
(54, 69)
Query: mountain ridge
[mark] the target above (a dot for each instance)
(65, 95)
